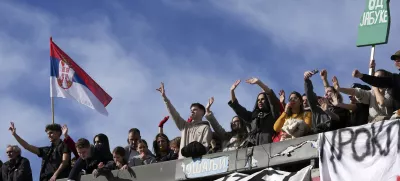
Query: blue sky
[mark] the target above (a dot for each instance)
(198, 48)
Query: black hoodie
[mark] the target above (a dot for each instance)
(98, 153)
(261, 121)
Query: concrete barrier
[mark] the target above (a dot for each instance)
(209, 167)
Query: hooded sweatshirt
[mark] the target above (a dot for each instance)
(261, 121)
(197, 130)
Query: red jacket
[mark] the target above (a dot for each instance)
(71, 145)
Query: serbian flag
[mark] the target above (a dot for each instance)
(68, 80)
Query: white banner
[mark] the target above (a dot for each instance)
(270, 174)
(233, 177)
(368, 152)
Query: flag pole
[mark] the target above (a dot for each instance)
(52, 98)
(52, 108)
(371, 70)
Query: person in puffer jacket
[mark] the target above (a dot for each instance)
(263, 116)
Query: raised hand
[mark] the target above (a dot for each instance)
(162, 122)
(288, 107)
(323, 74)
(335, 100)
(161, 89)
(282, 96)
(372, 64)
(209, 104)
(175, 149)
(335, 83)
(307, 75)
(64, 130)
(12, 128)
(53, 178)
(118, 164)
(357, 74)
(252, 80)
(323, 102)
(125, 167)
(237, 82)
(95, 173)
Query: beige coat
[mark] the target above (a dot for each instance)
(195, 131)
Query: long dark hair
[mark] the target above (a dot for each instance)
(298, 95)
(241, 133)
(156, 148)
(103, 139)
(385, 72)
(266, 107)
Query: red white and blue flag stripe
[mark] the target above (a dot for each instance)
(68, 80)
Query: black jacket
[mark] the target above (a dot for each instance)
(360, 115)
(321, 121)
(98, 154)
(170, 156)
(1, 164)
(261, 121)
(16, 170)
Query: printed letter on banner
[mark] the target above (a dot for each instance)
(367, 152)
(375, 23)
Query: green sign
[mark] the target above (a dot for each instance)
(375, 23)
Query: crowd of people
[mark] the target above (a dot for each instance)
(271, 120)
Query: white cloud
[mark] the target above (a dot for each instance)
(121, 70)
(323, 34)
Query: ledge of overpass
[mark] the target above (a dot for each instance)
(213, 166)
